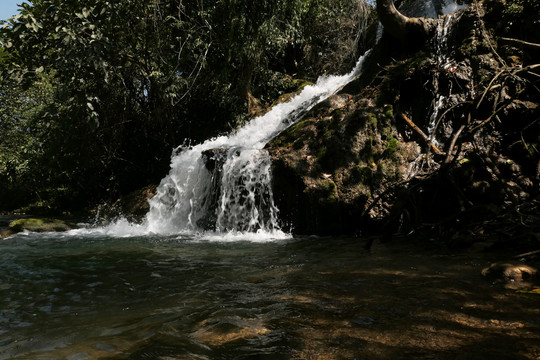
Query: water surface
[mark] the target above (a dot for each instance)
(196, 297)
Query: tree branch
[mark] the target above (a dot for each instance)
(521, 42)
(419, 131)
(400, 26)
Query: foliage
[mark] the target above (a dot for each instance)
(95, 94)
(23, 173)
(119, 69)
(525, 27)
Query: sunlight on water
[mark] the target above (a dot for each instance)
(203, 297)
(431, 9)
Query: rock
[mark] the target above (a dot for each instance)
(326, 166)
(510, 272)
(214, 158)
(37, 225)
(363, 321)
(136, 204)
(224, 330)
(133, 206)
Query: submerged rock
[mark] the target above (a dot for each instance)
(224, 330)
(512, 275)
(510, 272)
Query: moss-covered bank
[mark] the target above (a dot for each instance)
(444, 135)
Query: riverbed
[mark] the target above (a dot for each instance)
(75, 297)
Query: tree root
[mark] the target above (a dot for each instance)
(521, 42)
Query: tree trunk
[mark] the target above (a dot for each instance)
(402, 27)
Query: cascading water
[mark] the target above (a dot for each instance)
(431, 8)
(444, 59)
(224, 184)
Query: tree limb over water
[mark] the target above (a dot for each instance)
(400, 26)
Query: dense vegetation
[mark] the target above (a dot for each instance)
(95, 94)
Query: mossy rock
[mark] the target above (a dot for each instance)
(300, 84)
(37, 225)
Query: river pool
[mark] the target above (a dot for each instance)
(64, 296)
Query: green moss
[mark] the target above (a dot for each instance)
(364, 190)
(419, 59)
(291, 135)
(389, 113)
(532, 149)
(321, 154)
(361, 174)
(328, 157)
(324, 191)
(367, 151)
(328, 134)
(372, 119)
(39, 225)
(386, 132)
(387, 169)
(337, 115)
(328, 190)
(391, 146)
(301, 84)
(328, 185)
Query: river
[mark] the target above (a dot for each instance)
(66, 296)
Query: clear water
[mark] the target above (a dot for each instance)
(81, 297)
(67, 296)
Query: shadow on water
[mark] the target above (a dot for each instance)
(308, 298)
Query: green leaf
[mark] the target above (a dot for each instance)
(534, 291)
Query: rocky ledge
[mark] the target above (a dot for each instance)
(443, 137)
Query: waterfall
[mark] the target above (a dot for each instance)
(224, 184)
(444, 59)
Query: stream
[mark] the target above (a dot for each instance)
(210, 275)
(64, 296)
